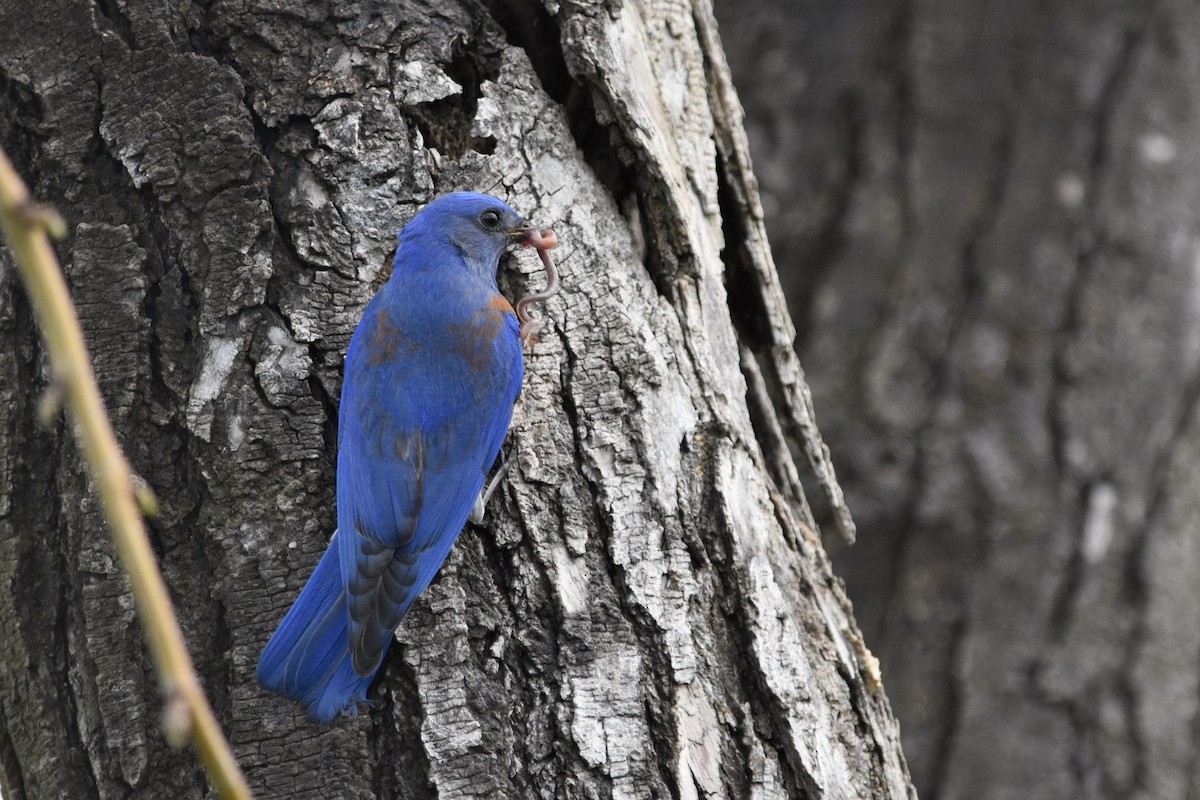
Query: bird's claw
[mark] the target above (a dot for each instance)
(477, 510)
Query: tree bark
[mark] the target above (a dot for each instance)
(985, 214)
(647, 612)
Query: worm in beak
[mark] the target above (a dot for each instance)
(543, 240)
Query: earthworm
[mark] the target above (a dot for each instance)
(543, 240)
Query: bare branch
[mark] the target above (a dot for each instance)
(26, 226)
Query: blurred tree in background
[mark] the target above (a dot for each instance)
(647, 612)
(985, 215)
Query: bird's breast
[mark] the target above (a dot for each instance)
(472, 335)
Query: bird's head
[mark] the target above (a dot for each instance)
(478, 225)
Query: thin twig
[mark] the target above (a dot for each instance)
(188, 716)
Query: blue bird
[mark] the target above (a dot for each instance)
(431, 376)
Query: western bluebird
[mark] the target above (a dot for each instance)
(431, 376)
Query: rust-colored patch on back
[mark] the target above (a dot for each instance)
(500, 303)
(475, 340)
(387, 343)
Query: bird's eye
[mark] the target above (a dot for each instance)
(490, 220)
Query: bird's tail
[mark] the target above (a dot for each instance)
(308, 657)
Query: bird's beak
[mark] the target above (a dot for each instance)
(521, 232)
(533, 236)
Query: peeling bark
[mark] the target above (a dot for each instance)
(647, 612)
(985, 217)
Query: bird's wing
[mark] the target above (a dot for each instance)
(417, 434)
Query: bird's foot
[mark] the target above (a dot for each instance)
(481, 502)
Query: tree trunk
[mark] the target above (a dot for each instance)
(986, 214)
(647, 611)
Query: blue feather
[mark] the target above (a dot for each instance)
(432, 373)
(307, 659)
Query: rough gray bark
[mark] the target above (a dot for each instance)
(647, 613)
(986, 217)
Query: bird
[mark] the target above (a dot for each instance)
(431, 376)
